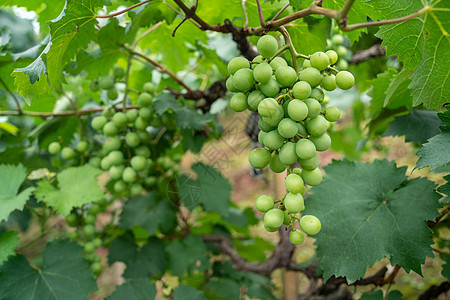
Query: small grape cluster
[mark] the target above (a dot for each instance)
(336, 43)
(293, 122)
(108, 83)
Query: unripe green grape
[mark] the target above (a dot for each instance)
(333, 56)
(342, 64)
(96, 268)
(230, 86)
(268, 107)
(345, 80)
(110, 129)
(112, 143)
(54, 148)
(115, 172)
(270, 229)
(108, 112)
(264, 203)
(286, 76)
(297, 110)
(326, 100)
(243, 79)
(301, 90)
(138, 163)
(112, 94)
(267, 46)
(129, 175)
(120, 187)
(261, 135)
(314, 107)
(98, 122)
(319, 60)
(95, 161)
(271, 88)
(141, 124)
(273, 140)
(296, 237)
(67, 153)
(329, 82)
(144, 100)
(274, 218)
(287, 153)
(119, 119)
(258, 59)
(259, 158)
(149, 87)
(278, 62)
(82, 146)
(97, 242)
(306, 63)
(142, 151)
(89, 248)
(88, 231)
(311, 76)
(262, 72)
(238, 63)
(310, 224)
(72, 220)
(332, 113)
(293, 203)
(317, 94)
(136, 189)
(310, 163)
(146, 113)
(287, 217)
(119, 72)
(297, 171)
(337, 39)
(305, 149)
(275, 163)
(275, 118)
(317, 126)
(93, 85)
(264, 126)
(73, 236)
(312, 178)
(115, 157)
(322, 142)
(238, 102)
(144, 136)
(287, 128)
(341, 51)
(106, 83)
(253, 99)
(132, 139)
(104, 163)
(293, 183)
(302, 130)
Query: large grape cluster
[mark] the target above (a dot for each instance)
(293, 122)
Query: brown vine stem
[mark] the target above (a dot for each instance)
(245, 14)
(343, 12)
(19, 109)
(122, 11)
(279, 13)
(146, 32)
(260, 14)
(288, 41)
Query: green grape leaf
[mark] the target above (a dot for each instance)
(258, 291)
(378, 295)
(417, 126)
(187, 292)
(148, 212)
(435, 152)
(210, 189)
(378, 213)
(145, 261)
(63, 275)
(11, 178)
(8, 242)
(445, 188)
(224, 289)
(77, 186)
(310, 37)
(296, 4)
(398, 94)
(446, 268)
(187, 255)
(136, 289)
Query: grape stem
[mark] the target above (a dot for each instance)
(333, 69)
(122, 11)
(245, 14)
(288, 41)
(260, 14)
(279, 51)
(278, 13)
(299, 55)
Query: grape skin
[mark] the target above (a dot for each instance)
(259, 158)
(311, 76)
(345, 80)
(267, 46)
(293, 203)
(310, 224)
(297, 110)
(262, 72)
(301, 90)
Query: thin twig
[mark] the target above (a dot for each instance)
(127, 76)
(343, 12)
(63, 113)
(19, 109)
(122, 11)
(288, 41)
(146, 32)
(181, 14)
(260, 14)
(178, 26)
(279, 13)
(245, 14)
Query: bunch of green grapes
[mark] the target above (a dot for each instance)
(108, 83)
(293, 123)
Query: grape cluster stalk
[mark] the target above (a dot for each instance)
(293, 120)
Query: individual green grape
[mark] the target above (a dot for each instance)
(319, 60)
(310, 163)
(106, 83)
(297, 110)
(287, 217)
(273, 140)
(317, 94)
(120, 186)
(108, 112)
(67, 153)
(253, 99)
(333, 56)
(259, 158)
(305, 149)
(88, 231)
(72, 220)
(230, 86)
(271, 88)
(132, 139)
(276, 117)
(93, 85)
(326, 100)
(264, 126)
(136, 189)
(322, 142)
(275, 163)
(115, 172)
(119, 72)
(293, 203)
(238, 102)
(312, 178)
(317, 126)
(95, 161)
(297, 171)
(311, 76)
(90, 219)
(141, 123)
(262, 72)
(97, 242)
(82, 146)
(129, 175)
(112, 94)
(287, 128)
(270, 229)
(89, 248)
(110, 129)
(329, 82)
(96, 268)
(261, 135)
(287, 153)
(119, 119)
(267, 46)
(138, 163)
(314, 107)
(345, 80)
(301, 90)
(278, 62)
(341, 51)
(142, 151)
(268, 107)
(274, 218)
(115, 157)
(243, 79)
(342, 64)
(238, 63)
(104, 163)
(296, 237)
(144, 136)
(98, 122)
(112, 143)
(306, 63)
(293, 183)
(258, 59)
(146, 113)
(302, 130)
(54, 148)
(74, 236)
(310, 224)
(286, 76)
(149, 87)
(264, 203)
(144, 100)
(332, 114)
(337, 39)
